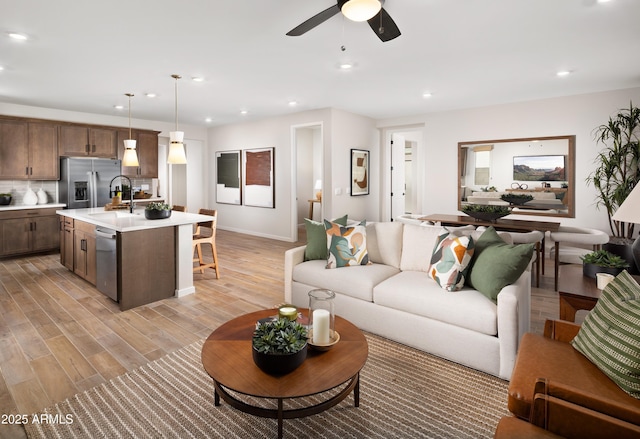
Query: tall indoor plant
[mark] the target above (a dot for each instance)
(617, 167)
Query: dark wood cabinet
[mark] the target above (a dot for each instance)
(66, 242)
(85, 141)
(84, 251)
(28, 231)
(147, 151)
(28, 150)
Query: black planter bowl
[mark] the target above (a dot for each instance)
(590, 270)
(5, 200)
(512, 199)
(279, 364)
(157, 214)
(486, 216)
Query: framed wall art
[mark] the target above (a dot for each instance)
(259, 177)
(228, 181)
(359, 172)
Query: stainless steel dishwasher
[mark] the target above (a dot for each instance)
(106, 262)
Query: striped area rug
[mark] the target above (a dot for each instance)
(403, 393)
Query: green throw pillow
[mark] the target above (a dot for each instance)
(496, 264)
(317, 238)
(610, 334)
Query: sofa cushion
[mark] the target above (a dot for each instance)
(356, 282)
(610, 334)
(415, 293)
(317, 238)
(347, 246)
(450, 259)
(496, 264)
(417, 246)
(384, 242)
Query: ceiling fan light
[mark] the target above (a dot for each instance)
(361, 10)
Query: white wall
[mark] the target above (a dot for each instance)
(572, 115)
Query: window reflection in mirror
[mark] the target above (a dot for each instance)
(542, 167)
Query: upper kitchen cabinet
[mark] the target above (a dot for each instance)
(28, 150)
(83, 141)
(147, 151)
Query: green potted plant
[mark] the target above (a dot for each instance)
(602, 261)
(517, 199)
(486, 212)
(279, 346)
(5, 199)
(157, 210)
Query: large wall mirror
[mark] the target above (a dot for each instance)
(542, 167)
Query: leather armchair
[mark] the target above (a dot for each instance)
(548, 365)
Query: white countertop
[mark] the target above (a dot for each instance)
(123, 221)
(34, 206)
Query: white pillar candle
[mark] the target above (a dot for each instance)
(321, 328)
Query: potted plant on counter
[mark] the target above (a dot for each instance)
(5, 199)
(602, 261)
(279, 346)
(157, 210)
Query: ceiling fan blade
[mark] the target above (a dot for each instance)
(314, 21)
(384, 26)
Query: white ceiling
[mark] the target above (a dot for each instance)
(85, 55)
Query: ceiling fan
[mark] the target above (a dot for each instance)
(356, 10)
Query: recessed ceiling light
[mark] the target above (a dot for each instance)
(208, 120)
(563, 73)
(1, 68)
(346, 66)
(119, 107)
(293, 103)
(244, 112)
(426, 95)
(197, 79)
(17, 36)
(150, 95)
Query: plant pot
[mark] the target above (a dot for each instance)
(157, 214)
(5, 200)
(625, 251)
(279, 364)
(486, 216)
(590, 270)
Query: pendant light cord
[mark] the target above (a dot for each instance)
(130, 95)
(176, 77)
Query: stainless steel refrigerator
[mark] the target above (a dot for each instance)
(84, 182)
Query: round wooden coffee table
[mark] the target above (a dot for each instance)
(227, 358)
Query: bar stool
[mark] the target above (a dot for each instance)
(206, 234)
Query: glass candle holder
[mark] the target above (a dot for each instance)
(288, 311)
(321, 316)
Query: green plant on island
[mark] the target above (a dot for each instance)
(279, 337)
(5, 195)
(617, 169)
(486, 208)
(157, 206)
(603, 258)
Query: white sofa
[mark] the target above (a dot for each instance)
(394, 297)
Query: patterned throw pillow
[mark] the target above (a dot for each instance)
(450, 259)
(347, 245)
(610, 334)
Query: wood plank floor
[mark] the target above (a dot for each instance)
(60, 336)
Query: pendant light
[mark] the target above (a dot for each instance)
(361, 10)
(130, 157)
(176, 147)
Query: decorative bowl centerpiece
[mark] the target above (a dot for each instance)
(602, 261)
(486, 212)
(5, 199)
(279, 346)
(517, 199)
(155, 211)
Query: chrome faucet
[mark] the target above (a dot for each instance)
(130, 190)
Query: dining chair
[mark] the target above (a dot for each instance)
(586, 239)
(179, 208)
(206, 234)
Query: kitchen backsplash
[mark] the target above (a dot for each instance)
(17, 189)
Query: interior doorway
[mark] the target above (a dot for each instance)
(403, 176)
(308, 182)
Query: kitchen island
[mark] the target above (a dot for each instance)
(154, 257)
